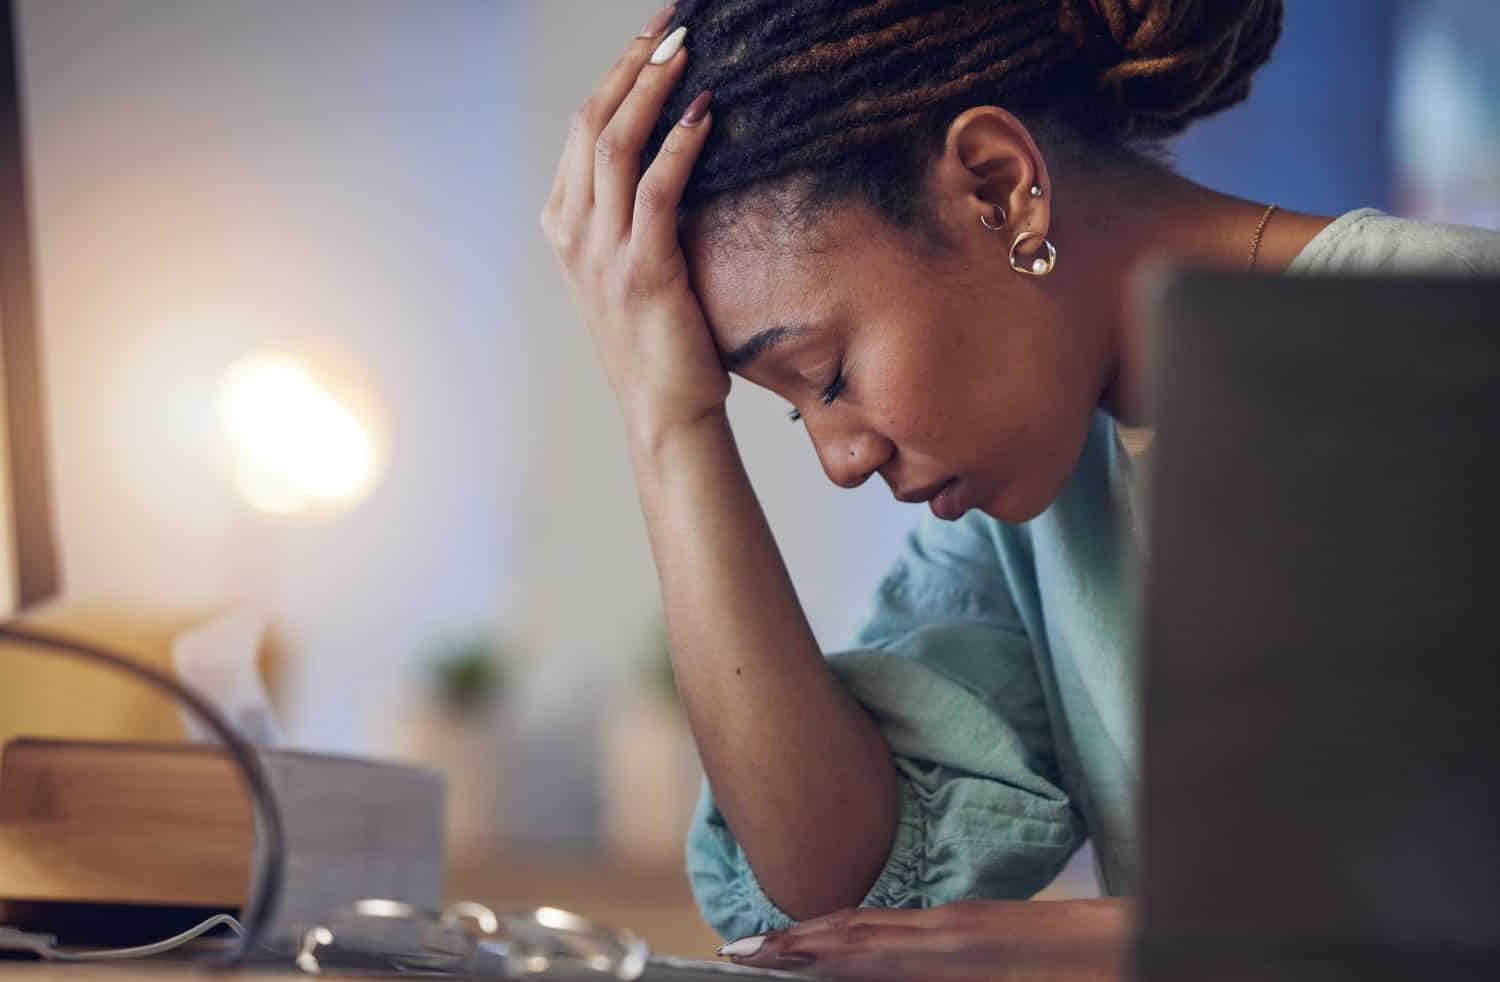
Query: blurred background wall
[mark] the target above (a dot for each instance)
(212, 177)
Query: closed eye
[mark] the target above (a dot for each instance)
(834, 388)
(828, 395)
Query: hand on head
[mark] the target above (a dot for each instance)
(614, 232)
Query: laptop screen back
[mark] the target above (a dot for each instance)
(1322, 629)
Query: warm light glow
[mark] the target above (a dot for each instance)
(295, 445)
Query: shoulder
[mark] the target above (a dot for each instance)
(1368, 240)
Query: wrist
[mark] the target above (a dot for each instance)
(654, 435)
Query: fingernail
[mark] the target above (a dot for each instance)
(793, 959)
(697, 109)
(743, 947)
(659, 23)
(668, 47)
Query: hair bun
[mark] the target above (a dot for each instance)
(1165, 63)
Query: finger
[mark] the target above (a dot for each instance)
(851, 916)
(653, 225)
(590, 119)
(812, 952)
(617, 152)
(813, 949)
(560, 174)
(837, 920)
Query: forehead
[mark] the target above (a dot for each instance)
(746, 288)
(753, 272)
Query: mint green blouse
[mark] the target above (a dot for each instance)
(998, 662)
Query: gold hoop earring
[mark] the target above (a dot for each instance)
(986, 222)
(1038, 266)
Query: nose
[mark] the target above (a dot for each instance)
(850, 456)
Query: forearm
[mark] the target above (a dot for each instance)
(798, 769)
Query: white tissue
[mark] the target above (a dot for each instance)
(218, 658)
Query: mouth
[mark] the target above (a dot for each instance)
(948, 503)
(918, 495)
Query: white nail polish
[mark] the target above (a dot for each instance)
(744, 947)
(668, 47)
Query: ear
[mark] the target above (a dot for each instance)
(989, 159)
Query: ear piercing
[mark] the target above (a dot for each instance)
(1039, 265)
(984, 220)
(1036, 192)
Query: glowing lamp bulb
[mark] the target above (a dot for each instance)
(296, 446)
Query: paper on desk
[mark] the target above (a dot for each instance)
(218, 658)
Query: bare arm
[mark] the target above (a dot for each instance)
(802, 775)
(798, 769)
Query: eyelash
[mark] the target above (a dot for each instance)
(828, 395)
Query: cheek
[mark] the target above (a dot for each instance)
(909, 389)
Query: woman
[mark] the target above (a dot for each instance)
(916, 221)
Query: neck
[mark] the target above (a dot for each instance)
(1109, 223)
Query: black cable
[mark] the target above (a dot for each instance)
(265, 882)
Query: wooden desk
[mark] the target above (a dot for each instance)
(653, 901)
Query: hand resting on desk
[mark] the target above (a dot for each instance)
(989, 940)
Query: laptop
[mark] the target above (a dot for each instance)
(1321, 792)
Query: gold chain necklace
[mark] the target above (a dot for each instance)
(1255, 243)
(1130, 471)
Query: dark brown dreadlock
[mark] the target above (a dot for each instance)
(855, 97)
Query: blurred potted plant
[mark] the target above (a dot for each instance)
(649, 766)
(456, 728)
(467, 676)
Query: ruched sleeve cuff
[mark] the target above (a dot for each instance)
(731, 897)
(949, 846)
(895, 886)
(723, 883)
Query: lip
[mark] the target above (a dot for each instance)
(948, 503)
(919, 495)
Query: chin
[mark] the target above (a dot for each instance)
(1017, 503)
(1008, 512)
(1027, 491)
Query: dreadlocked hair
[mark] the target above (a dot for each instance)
(853, 99)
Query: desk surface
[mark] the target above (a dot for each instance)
(55, 972)
(59, 972)
(653, 901)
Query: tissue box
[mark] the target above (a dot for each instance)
(170, 825)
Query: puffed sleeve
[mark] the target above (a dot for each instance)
(944, 667)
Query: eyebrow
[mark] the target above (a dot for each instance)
(761, 343)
